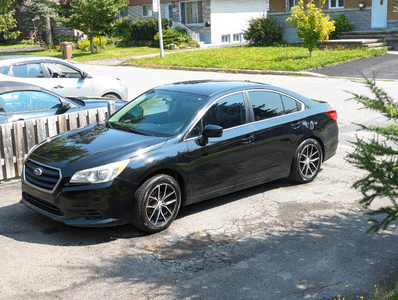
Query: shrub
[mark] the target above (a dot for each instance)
(175, 38)
(263, 31)
(341, 25)
(85, 44)
(146, 29)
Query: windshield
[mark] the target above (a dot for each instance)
(157, 112)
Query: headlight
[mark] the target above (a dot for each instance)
(100, 174)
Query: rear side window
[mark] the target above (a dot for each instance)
(31, 70)
(25, 101)
(291, 105)
(266, 104)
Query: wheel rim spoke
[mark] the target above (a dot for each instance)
(161, 204)
(309, 161)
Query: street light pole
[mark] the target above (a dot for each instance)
(156, 8)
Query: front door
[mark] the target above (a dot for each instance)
(379, 13)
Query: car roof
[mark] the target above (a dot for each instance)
(13, 86)
(18, 58)
(210, 87)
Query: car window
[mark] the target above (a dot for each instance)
(25, 101)
(159, 113)
(266, 104)
(61, 71)
(228, 112)
(290, 105)
(30, 70)
(4, 70)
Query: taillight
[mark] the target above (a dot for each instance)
(331, 114)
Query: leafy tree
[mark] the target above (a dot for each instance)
(93, 17)
(379, 157)
(263, 31)
(311, 24)
(7, 21)
(38, 17)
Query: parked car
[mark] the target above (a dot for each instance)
(23, 101)
(177, 145)
(61, 77)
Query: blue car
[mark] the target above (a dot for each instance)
(22, 101)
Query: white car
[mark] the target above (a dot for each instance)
(60, 76)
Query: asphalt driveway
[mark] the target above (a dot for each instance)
(385, 67)
(277, 241)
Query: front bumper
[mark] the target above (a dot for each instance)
(96, 205)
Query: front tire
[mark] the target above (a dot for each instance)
(306, 162)
(156, 204)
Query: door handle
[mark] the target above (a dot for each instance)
(248, 140)
(296, 125)
(58, 87)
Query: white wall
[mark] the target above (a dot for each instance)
(229, 17)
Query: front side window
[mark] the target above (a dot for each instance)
(26, 101)
(266, 104)
(227, 112)
(61, 71)
(147, 10)
(336, 4)
(191, 12)
(30, 70)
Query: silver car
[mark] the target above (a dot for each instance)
(61, 77)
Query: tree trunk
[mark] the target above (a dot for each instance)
(91, 44)
(49, 36)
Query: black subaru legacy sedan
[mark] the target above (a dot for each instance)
(176, 145)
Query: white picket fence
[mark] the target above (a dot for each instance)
(17, 138)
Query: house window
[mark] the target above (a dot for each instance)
(237, 37)
(191, 12)
(226, 38)
(146, 10)
(336, 4)
(292, 3)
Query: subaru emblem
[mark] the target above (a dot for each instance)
(38, 171)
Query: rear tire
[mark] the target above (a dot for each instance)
(156, 204)
(307, 161)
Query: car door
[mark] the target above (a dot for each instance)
(67, 81)
(278, 128)
(226, 161)
(24, 105)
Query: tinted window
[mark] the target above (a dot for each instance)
(266, 105)
(290, 105)
(227, 112)
(25, 101)
(32, 70)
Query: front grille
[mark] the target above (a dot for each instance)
(48, 207)
(48, 179)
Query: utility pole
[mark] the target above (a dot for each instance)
(156, 8)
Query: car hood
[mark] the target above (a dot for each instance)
(93, 146)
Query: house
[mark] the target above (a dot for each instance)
(214, 21)
(365, 15)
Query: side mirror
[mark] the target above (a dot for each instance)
(65, 106)
(210, 131)
(84, 74)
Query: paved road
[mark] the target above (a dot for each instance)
(276, 241)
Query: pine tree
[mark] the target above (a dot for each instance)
(379, 157)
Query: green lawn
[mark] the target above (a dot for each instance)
(283, 58)
(109, 52)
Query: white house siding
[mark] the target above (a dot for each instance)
(229, 17)
(135, 12)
